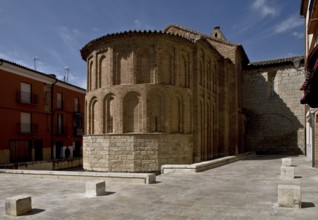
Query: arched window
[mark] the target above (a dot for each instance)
(155, 113)
(122, 74)
(201, 73)
(209, 75)
(103, 76)
(143, 66)
(93, 116)
(109, 109)
(183, 73)
(132, 112)
(165, 68)
(176, 114)
(90, 78)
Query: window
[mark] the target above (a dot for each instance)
(271, 84)
(25, 125)
(59, 100)
(60, 128)
(25, 95)
(76, 105)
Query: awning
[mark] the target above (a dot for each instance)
(310, 86)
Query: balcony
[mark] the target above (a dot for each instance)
(26, 128)
(26, 98)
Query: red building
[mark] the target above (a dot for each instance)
(41, 117)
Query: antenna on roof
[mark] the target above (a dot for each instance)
(34, 61)
(67, 70)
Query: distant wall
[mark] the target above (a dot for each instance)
(275, 117)
(46, 165)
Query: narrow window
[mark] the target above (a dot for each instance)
(271, 84)
(25, 95)
(25, 126)
(76, 105)
(60, 128)
(59, 100)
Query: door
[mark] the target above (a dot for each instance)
(38, 150)
(309, 137)
(20, 151)
(58, 149)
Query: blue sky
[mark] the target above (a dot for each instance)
(54, 31)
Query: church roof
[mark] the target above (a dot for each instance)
(278, 61)
(132, 32)
(219, 38)
(200, 34)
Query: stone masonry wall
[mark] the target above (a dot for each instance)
(275, 118)
(135, 152)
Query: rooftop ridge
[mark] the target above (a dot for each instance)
(38, 72)
(201, 34)
(276, 61)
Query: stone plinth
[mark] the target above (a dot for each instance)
(286, 162)
(289, 196)
(18, 205)
(95, 188)
(287, 173)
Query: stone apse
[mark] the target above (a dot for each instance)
(161, 97)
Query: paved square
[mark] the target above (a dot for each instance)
(246, 189)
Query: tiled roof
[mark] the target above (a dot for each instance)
(133, 32)
(52, 76)
(279, 61)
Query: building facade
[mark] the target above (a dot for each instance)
(309, 10)
(274, 117)
(162, 97)
(41, 116)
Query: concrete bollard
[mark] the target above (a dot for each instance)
(289, 196)
(287, 173)
(286, 162)
(95, 188)
(18, 205)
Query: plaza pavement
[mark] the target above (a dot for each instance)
(246, 189)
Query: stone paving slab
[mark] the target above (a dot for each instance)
(246, 189)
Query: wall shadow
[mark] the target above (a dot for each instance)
(274, 116)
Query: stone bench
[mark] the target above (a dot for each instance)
(286, 162)
(289, 196)
(18, 205)
(95, 188)
(203, 166)
(287, 173)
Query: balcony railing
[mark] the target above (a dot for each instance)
(26, 128)
(26, 98)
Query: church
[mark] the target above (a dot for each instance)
(162, 97)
